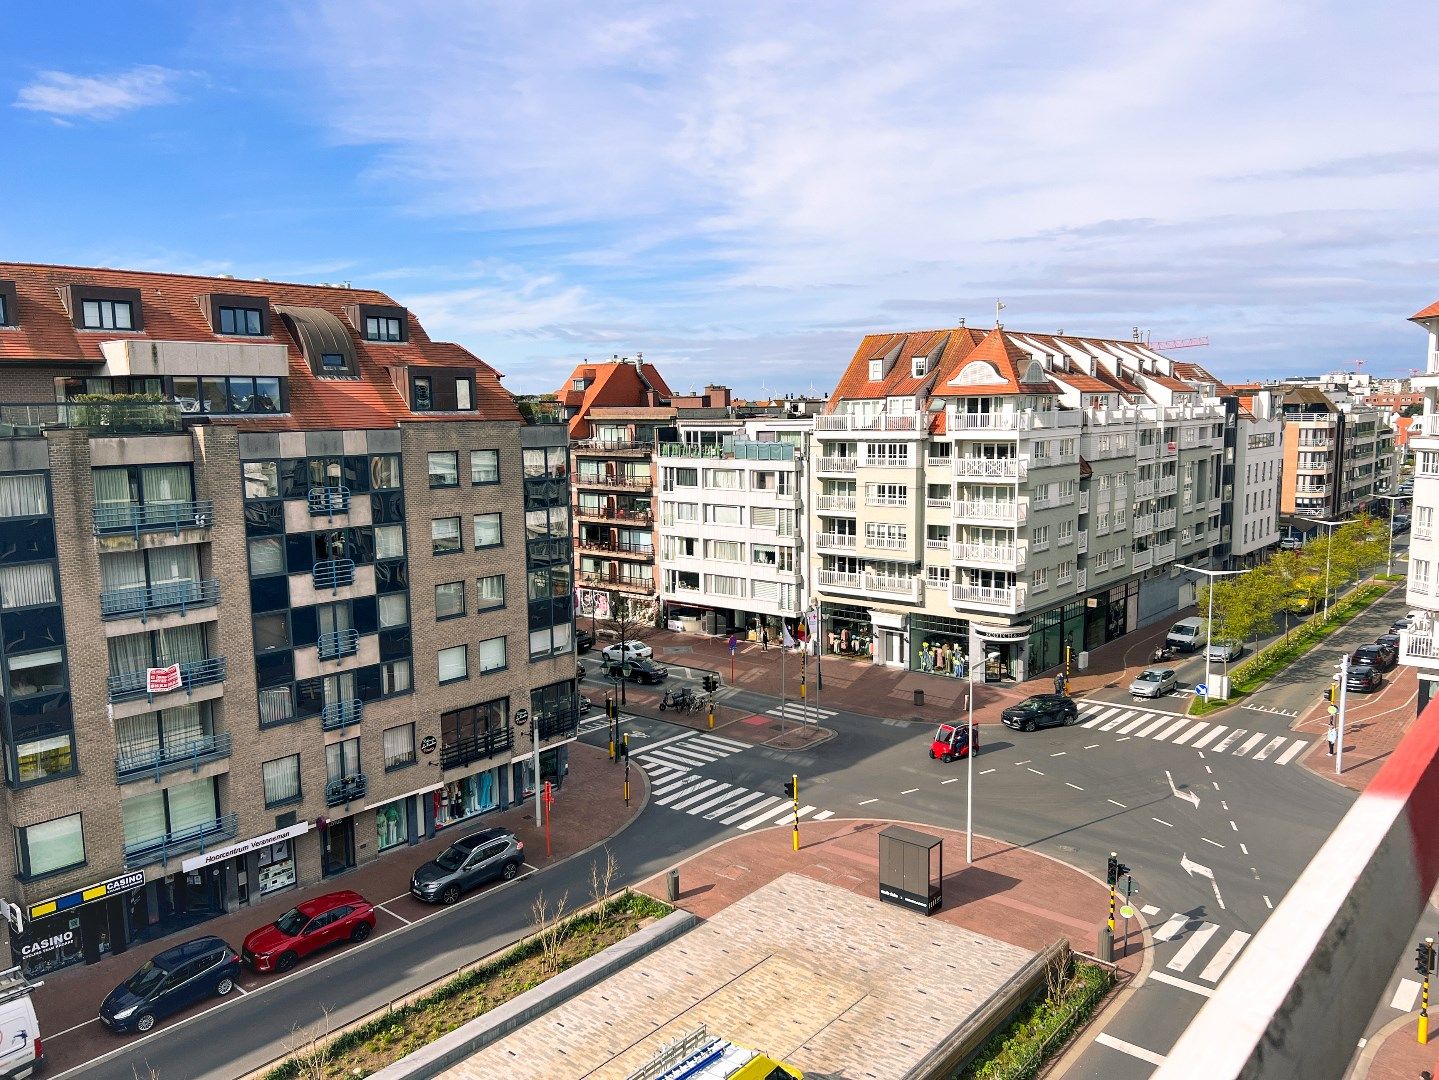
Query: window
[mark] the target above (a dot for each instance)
(876, 370)
(24, 496)
(399, 746)
(4, 310)
(384, 329)
(40, 759)
(28, 585)
(723, 479)
(445, 536)
(267, 556)
(52, 845)
(917, 365)
(937, 577)
(724, 550)
(484, 466)
(725, 585)
(107, 315)
(490, 592)
(454, 664)
(332, 361)
(342, 760)
(384, 472)
(262, 480)
(449, 600)
(272, 632)
(393, 610)
(487, 531)
(1039, 580)
(421, 395)
(389, 541)
(242, 321)
(444, 469)
(282, 780)
(36, 673)
(464, 395)
(492, 655)
(764, 555)
(395, 677)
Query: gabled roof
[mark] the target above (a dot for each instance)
(900, 380)
(617, 383)
(1009, 370)
(1431, 312)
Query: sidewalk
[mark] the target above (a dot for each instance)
(1373, 726)
(1395, 1054)
(588, 809)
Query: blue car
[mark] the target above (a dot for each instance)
(171, 980)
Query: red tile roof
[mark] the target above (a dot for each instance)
(172, 312)
(1431, 312)
(612, 383)
(1010, 362)
(900, 381)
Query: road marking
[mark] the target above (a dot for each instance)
(1026, 761)
(402, 919)
(724, 791)
(1224, 957)
(1269, 747)
(951, 780)
(1036, 772)
(909, 791)
(670, 784)
(1288, 755)
(1234, 733)
(1183, 984)
(1123, 738)
(1193, 945)
(985, 772)
(1139, 719)
(1171, 729)
(675, 756)
(822, 815)
(772, 802)
(1171, 929)
(1130, 1049)
(1149, 909)
(1232, 825)
(866, 802)
(1188, 796)
(1119, 804)
(1059, 753)
(1405, 995)
(1223, 804)
(697, 788)
(1195, 730)
(731, 745)
(1164, 719)
(712, 799)
(1112, 724)
(1076, 787)
(1244, 849)
(1162, 822)
(1214, 842)
(734, 805)
(1249, 744)
(651, 747)
(1216, 784)
(1267, 904)
(1092, 746)
(1217, 898)
(1099, 717)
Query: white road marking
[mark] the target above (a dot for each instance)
(682, 791)
(1195, 730)
(1092, 746)
(730, 744)
(1235, 733)
(1138, 719)
(1223, 804)
(1217, 898)
(1059, 753)
(1192, 947)
(1171, 929)
(985, 772)
(1123, 738)
(1244, 849)
(736, 805)
(773, 801)
(1154, 726)
(1405, 995)
(1232, 825)
(1130, 1049)
(651, 747)
(723, 790)
(728, 798)
(387, 911)
(1119, 804)
(1162, 822)
(1268, 904)
(1269, 747)
(1214, 842)
(1289, 755)
(1076, 787)
(822, 815)
(1183, 720)
(909, 791)
(1036, 772)
(866, 802)
(1221, 960)
(951, 780)
(1149, 909)
(1112, 724)
(671, 784)
(1099, 717)
(1026, 761)
(1183, 984)
(1249, 744)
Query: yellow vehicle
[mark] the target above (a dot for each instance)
(702, 1056)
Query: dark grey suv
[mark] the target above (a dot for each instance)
(471, 861)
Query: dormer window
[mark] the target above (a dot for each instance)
(242, 321)
(237, 315)
(99, 307)
(384, 329)
(386, 323)
(9, 309)
(876, 370)
(107, 315)
(332, 361)
(917, 366)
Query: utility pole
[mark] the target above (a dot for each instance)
(1209, 628)
(1343, 700)
(792, 790)
(625, 751)
(1423, 966)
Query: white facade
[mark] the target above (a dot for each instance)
(1258, 460)
(1420, 646)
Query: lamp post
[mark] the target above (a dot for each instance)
(1389, 559)
(1329, 556)
(969, 753)
(1209, 626)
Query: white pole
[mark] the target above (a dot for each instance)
(1328, 557)
(969, 782)
(1343, 701)
(1209, 646)
(535, 738)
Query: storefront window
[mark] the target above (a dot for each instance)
(848, 630)
(50, 845)
(277, 866)
(391, 827)
(938, 646)
(466, 797)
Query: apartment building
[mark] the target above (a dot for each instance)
(1009, 495)
(1420, 645)
(1337, 456)
(284, 587)
(1254, 491)
(732, 522)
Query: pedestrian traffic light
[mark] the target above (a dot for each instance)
(1423, 959)
(791, 789)
(1112, 872)
(612, 710)
(1120, 871)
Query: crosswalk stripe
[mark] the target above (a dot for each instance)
(1288, 755)
(823, 815)
(670, 783)
(1099, 717)
(1210, 736)
(682, 790)
(1224, 957)
(661, 772)
(1149, 909)
(703, 795)
(685, 754)
(1249, 744)
(1195, 730)
(1269, 748)
(735, 805)
(1192, 946)
(1139, 718)
(1154, 726)
(666, 742)
(1172, 728)
(1170, 930)
(759, 819)
(1405, 996)
(1110, 725)
(724, 801)
(729, 746)
(1235, 733)
(1106, 1039)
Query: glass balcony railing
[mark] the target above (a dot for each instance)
(339, 714)
(171, 596)
(346, 789)
(328, 501)
(486, 744)
(197, 837)
(151, 517)
(135, 760)
(339, 644)
(334, 574)
(134, 684)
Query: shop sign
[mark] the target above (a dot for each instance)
(113, 887)
(244, 847)
(428, 745)
(49, 944)
(160, 680)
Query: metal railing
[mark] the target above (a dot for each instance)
(846, 540)
(346, 789)
(618, 547)
(151, 517)
(845, 422)
(997, 468)
(1144, 489)
(193, 838)
(338, 644)
(835, 502)
(838, 464)
(328, 501)
(151, 757)
(892, 543)
(333, 574)
(341, 714)
(132, 684)
(895, 584)
(1013, 510)
(617, 513)
(842, 579)
(170, 596)
(1009, 599)
(594, 446)
(1008, 557)
(558, 725)
(886, 500)
(593, 577)
(883, 462)
(478, 747)
(20, 420)
(1166, 485)
(637, 482)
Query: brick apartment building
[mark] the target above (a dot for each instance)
(284, 586)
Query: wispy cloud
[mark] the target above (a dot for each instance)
(98, 97)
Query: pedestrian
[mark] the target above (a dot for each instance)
(1333, 737)
(764, 638)
(1059, 683)
(733, 643)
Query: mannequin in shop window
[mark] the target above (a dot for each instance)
(926, 661)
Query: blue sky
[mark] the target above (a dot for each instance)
(741, 193)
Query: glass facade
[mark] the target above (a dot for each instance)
(938, 645)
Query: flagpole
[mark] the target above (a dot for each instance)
(782, 701)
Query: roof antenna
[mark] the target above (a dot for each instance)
(961, 322)
(998, 307)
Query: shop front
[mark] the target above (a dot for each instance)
(80, 927)
(848, 630)
(1002, 650)
(177, 902)
(467, 796)
(938, 646)
(259, 866)
(1082, 625)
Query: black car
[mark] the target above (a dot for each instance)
(1401, 523)
(171, 980)
(472, 860)
(584, 641)
(1041, 710)
(1381, 658)
(1392, 640)
(1364, 679)
(641, 671)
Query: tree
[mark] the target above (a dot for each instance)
(1244, 605)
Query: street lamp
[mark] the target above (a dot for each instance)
(1329, 556)
(969, 782)
(1389, 560)
(1209, 628)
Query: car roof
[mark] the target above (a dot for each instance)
(1361, 669)
(186, 951)
(1158, 672)
(475, 839)
(1044, 697)
(316, 905)
(1367, 648)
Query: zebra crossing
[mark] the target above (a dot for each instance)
(1196, 936)
(801, 713)
(1178, 730)
(687, 751)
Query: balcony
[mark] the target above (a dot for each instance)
(1009, 600)
(1423, 532)
(837, 464)
(547, 549)
(1142, 560)
(334, 574)
(151, 758)
(115, 518)
(338, 644)
(844, 503)
(478, 747)
(171, 596)
(1146, 451)
(161, 849)
(346, 789)
(619, 548)
(887, 543)
(1163, 553)
(1013, 421)
(616, 581)
(108, 415)
(1000, 556)
(129, 685)
(1084, 502)
(886, 500)
(1143, 524)
(1144, 489)
(341, 714)
(1166, 485)
(841, 579)
(639, 483)
(882, 462)
(936, 545)
(845, 422)
(900, 586)
(1012, 511)
(590, 447)
(1165, 519)
(614, 513)
(1082, 547)
(328, 501)
(1081, 580)
(1010, 468)
(558, 725)
(1064, 540)
(938, 504)
(836, 540)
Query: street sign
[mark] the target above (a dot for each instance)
(521, 715)
(1201, 689)
(1334, 710)
(1127, 911)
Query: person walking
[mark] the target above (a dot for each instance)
(764, 638)
(1333, 736)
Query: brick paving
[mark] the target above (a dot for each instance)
(587, 809)
(1373, 726)
(1395, 1054)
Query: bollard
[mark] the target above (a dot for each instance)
(1106, 945)
(672, 887)
(919, 698)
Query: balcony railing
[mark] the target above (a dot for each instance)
(889, 543)
(478, 747)
(936, 545)
(1009, 599)
(637, 482)
(171, 596)
(623, 581)
(615, 513)
(151, 757)
(334, 574)
(902, 585)
(841, 579)
(844, 540)
(1081, 580)
(162, 848)
(132, 684)
(1082, 546)
(1142, 560)
(1011, 468)
(844, 422)
(151, 517)
(338, 644)
(1013, 421)
(346, 789)
(558, 725)
(1143, 524)
(835, 502)
(838, 464)
(328, 501)
(1144, 489)
(1011, 510)
(119, 417)
(1084, 502)
(1163, 553)
(603, 446)
(1049, 502)
(617, 547)
(1416, 646)
(1005, 557)
(886, 500)
(938, 504)
(341, 714)
(883, 462)
(1146, 451)
(1165, 519)
(1166, 485)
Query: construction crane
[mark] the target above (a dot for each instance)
(1179, 343)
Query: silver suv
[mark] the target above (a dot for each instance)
(468, 862)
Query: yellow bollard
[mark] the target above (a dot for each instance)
(712, 717)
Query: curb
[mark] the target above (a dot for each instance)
(1359, 1067)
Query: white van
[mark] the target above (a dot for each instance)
(1187, 635)
(20, 1050)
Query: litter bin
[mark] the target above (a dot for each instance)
(672, 886)
(918, 698)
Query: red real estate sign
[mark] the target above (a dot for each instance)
(160, 679)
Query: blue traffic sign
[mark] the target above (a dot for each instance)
(1202, 690)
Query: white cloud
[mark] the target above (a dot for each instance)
(97, 97)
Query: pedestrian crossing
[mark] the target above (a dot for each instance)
(686, 751)
(1132, 723)
(801, 713)
(1200, 943)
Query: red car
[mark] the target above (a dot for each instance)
(952, 741)
(315, 924)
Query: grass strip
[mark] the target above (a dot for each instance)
(385, 1039)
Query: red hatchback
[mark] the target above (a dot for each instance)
(315, 924)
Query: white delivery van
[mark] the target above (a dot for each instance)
(20, 1051)
(1187, 635)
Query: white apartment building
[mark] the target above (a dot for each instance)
(1420, 645)
(1258, 462)
(1027, 491)
(732, 524)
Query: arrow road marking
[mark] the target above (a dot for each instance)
(1187, 796)
(1192, 868)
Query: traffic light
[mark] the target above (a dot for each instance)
(612, 710)
(1120, 871)
(791, 789)
(1112, 871)
(1423, 959)
(1332, 694)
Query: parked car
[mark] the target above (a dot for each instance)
(952, 741)
(1153, 683)
(169, 981)
(1392, 640)
(1364, 679)
(1381, 658)
(586, 705)
(1401, 523)
(627, 650)
(584, 641)
(308, 928)
(641, 671)
(1225, 650)
(1187, 635)
(1041, 710)
(22, 1051)
(473, 860)
(1290, 543)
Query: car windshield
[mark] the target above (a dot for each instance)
(1150, 676)
(1032, 705)
(452, 858)
(144, 981)
(292, 922)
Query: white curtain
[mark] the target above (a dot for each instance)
(393, 609)
(453, 663)
(487, 530)
(173, 564)
(122, 570)
(143, 818)
(192, 804)
(129, 653)
(166, 484)
(112, 487)
(275, 705)
(182, 728)
(389, 541)
(282, 779)
(135, 738)
(26, 586)
(399, 744)
(180, 645)
(492, 654)
(53, 844)
(23, 496)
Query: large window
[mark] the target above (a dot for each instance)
(490, 592)
(52, 845)
(444, 469)
(384, 472)
(267, 556)
(177, 813)
(445, 536)
(449, 600)
(484, 466)
(34, 673)
(454, 664)
(395, 677)
(262, 480)
(487, 530)
(394, 610)
(107, 315)
(24, 496)
(384, 329)
(399, 746)
(282, 781)
(27, 585)
(40, 759)
(242, 321)
(389, 541)
(464, 727)
(492, 655)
